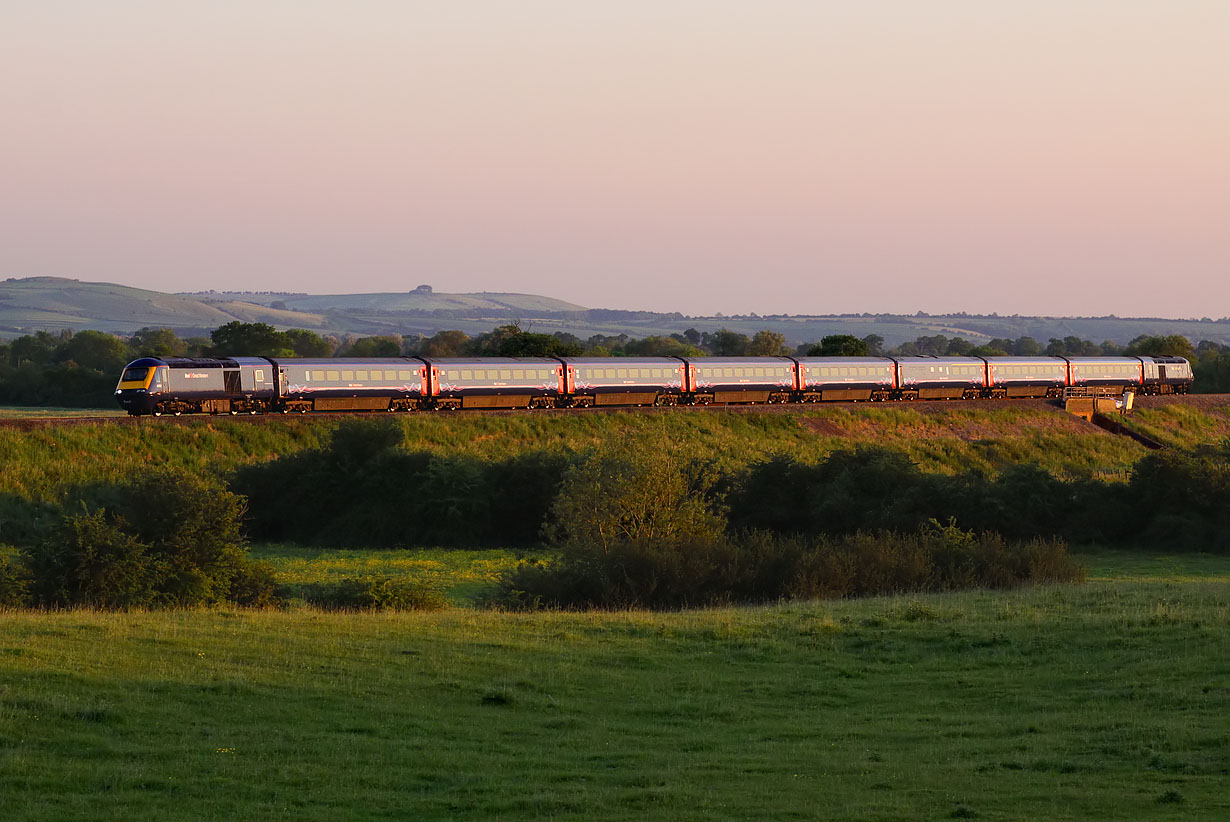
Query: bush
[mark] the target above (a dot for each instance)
(14, 584)
(374, 594)
(760, 567)
(635, 492)
(1183, 499)
(95, 561)
(165, 540)
(364, 490)
(862, 489)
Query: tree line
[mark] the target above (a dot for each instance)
(79, 369)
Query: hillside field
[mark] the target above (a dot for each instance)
(45, 463)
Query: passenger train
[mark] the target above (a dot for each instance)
(253, 385)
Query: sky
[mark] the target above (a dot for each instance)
(1053, 157)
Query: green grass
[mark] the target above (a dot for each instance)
(21, 412)
(1180, 425)
(46, 465)
(1107, 700)
(464, 576)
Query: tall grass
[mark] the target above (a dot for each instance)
(41, 464)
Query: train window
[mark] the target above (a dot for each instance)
(453, 376)
(843, 372)
(621, 373)
(360, 375)
(759, 372)
(634, 373)
(348, 375)
(405, 375)
(518, 374)
(506, 373)
(332, 376)
(318, 375)
(480, 374)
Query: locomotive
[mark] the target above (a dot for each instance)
(253, 385)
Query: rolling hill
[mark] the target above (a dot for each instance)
(52, 303)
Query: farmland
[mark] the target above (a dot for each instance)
(1069, 702)
(1105, 699)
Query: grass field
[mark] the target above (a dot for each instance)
(1107, 700)
(47, 465)
(23, 412)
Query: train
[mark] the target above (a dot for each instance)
(256, 385)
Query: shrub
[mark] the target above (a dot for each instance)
(363, 489)
(760, 567)
(167, 539)
(635, 492)
(93, 560)
(14, 584)
(374, 594)
(1183, 499)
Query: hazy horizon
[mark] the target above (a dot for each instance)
(1045, 159)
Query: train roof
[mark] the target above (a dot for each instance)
(492, 360)
(738, 360)
(941, 360)
(1041, 359)
(618, 361)
(846, 360)
(335, 361)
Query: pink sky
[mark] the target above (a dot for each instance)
(1052, 157)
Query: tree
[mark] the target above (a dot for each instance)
(839, 345)
(157, 342)
(445, 344)
(236, 339)
(39, 347)
(660, 347)
(379, 346)
(727, 343)
(511, 341)
(94, 349)
(1173, 345)
(767, 344)
(307, 343)
(958, 347)
(1027, 347)
(875, 345)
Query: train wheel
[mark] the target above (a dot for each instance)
(179, 412)
(157, 412)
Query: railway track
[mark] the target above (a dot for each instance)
(925, 406)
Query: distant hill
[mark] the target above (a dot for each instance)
(53, 303)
